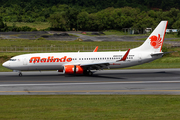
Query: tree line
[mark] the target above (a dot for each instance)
(40, 10)
(113, 18)
(69, 18)
(90, 15)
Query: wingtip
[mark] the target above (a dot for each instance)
(96, 49)
(125, 56)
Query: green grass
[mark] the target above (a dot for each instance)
(172, 35)
(20, 45)
(37, 25)
(164, 62)
(121, 33)
(176, 40)
(115, 32)
(34, 43)
(3, 69)
(86, 107)
(142, 39)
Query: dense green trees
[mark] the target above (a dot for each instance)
(2, 25)
(40, 10)
(114, 18)
(92, 14)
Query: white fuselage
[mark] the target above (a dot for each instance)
(57, 61)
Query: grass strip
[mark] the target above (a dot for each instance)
(90, 107)
(54, 43)
(164, 62)
(37, 25)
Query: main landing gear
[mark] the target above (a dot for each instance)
(88, 73)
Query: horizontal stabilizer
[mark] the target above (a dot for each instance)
(161, 53)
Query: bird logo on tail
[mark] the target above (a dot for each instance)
(156, 41)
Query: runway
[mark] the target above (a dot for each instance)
(131, 81)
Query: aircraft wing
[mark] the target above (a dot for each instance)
(98, 65)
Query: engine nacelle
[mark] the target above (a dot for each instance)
(73, 69)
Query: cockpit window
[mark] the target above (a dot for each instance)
(12, 60)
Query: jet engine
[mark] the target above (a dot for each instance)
(73, 69)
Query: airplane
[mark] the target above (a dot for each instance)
(86, 62)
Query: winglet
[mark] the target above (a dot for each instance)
(96, 49)
(125, 56)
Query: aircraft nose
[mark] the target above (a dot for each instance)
(5, 64)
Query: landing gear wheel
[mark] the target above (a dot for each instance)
(90, 73)
(20, 74)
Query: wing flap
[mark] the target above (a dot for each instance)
(96, 64)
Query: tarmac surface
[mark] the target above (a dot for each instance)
(130, 81)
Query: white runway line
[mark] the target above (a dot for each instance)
(95, 83)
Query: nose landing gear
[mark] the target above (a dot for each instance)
(20, 74)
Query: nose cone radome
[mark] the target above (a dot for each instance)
(5, 64)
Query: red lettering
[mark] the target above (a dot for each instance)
(49, 59)
(56, 60)
(63, 59)
(34, 59)
(69, 59)
(43, 60)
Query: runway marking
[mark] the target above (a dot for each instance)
(46, 81)
(90, 91)
(93, 83)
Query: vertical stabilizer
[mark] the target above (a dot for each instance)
(155, 41)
